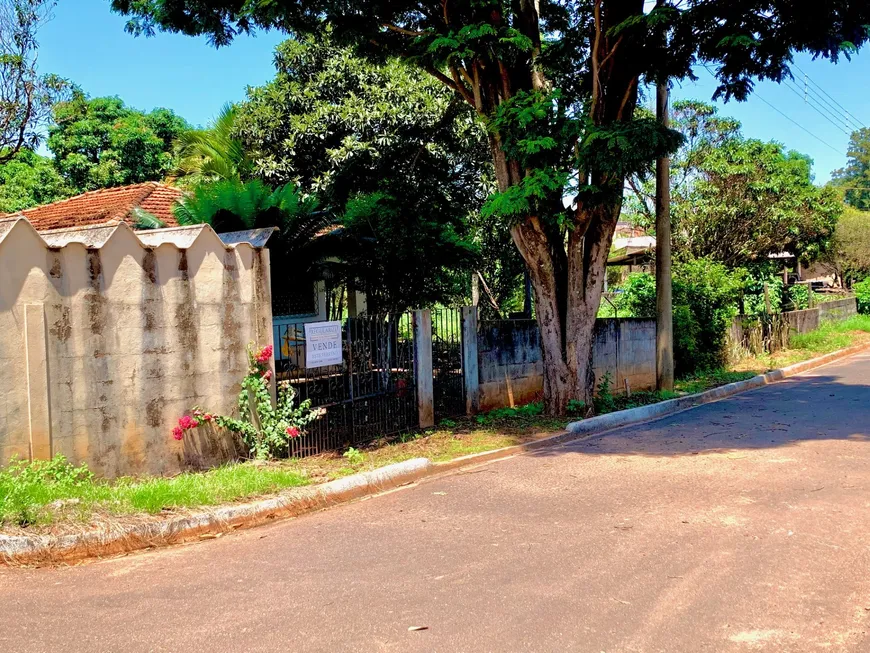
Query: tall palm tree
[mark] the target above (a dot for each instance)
(212, 154)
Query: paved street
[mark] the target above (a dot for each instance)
(738, 526)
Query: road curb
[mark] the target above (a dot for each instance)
(622, 418)
(48, 549)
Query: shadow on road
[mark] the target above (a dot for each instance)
(798, 410)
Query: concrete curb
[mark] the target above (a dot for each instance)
(662, 409)
(47, 549)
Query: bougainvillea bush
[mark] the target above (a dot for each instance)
(265, 429)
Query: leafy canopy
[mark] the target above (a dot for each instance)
(29, 179)
(855, 177)
(100, 142)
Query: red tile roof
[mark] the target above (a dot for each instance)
(105, 205)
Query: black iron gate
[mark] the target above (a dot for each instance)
(370, 395)
(448, 380)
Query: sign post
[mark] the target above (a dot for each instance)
(322, 344)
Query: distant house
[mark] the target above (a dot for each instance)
(105, 205)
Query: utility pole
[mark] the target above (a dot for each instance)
(664, 294)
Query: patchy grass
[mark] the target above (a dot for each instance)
(42, 492)
(701, 382)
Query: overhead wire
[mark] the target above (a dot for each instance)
(787, 117)
(846, 111)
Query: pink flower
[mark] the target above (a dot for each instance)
(194, 423)
(197, 412)
(264, 354)
(177, 433)
(187, 422)
(207, 417)
(267, 375)
(293, 432)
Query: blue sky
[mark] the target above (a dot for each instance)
(87, 44)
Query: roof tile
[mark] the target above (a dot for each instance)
(105, 205)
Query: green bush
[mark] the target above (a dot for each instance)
(862, 292)
(705, 301)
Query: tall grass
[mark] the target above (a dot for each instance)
(831, 336)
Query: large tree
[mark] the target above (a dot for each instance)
(26, 96)
(855, 177)
(393, 154)
(557, 84)
(101, 142)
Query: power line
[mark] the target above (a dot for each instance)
(792, 120)
(824, 115)
(800, 125)
(844, 117)
(829, 96)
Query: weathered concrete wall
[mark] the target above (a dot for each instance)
(511, 372)
(802, 321)
(106, 342)
(840, 309)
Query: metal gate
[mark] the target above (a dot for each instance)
(370, 395)
(448, 378)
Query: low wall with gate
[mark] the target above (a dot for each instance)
(108, 336)
(510, 371)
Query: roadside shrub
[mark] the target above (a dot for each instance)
(705, 301)
(799, 296)
(862, 292)
(264, 428)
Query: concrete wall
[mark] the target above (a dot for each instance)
(107, 338)
(509, 358)
(840, 309)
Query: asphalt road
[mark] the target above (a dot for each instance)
(738, 526)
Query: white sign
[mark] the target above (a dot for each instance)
(322, 344)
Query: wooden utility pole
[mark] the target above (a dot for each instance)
(664, 294)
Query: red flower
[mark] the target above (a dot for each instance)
(267, 375)
(207, 417)
(187, 422)
(293, 432)
(264, 354)
(177, 433)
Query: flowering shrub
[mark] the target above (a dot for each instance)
(265, 429)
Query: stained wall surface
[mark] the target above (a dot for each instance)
(108, 336)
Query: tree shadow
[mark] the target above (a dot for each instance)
(800, 409)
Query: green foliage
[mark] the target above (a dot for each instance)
(298, 249)
(576, 408)
(855, 177)
(39, 492)
(404, 254)
(798, 297)
(100, 142)
(705, 300)
(533, 409)
(393, 155)
(25, 486)
(29, 179)
(26, 96)
(213, 154)
(263, 427)
(862, 292)
(604, 399)
(849, 254)
(354, 456)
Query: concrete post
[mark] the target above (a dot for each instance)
(423, 378)
(36, 355)
(664, 301)
(470, 372)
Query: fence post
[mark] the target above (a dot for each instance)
(423, 379)
(470, 372)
